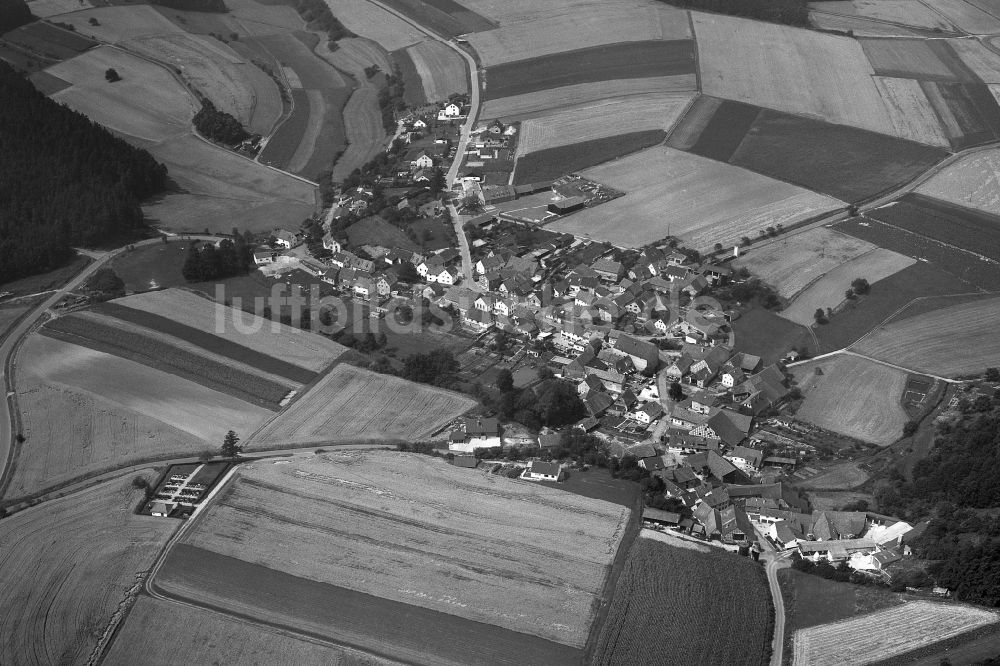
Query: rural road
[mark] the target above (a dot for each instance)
(774, 563)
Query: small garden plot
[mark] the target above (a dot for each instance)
(972, 182)
(884, 634)
(629, 60)
(550, 163)
(445, 17)
(960, 227)
(927, 60)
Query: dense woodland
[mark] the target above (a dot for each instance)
(209, 262)
(65, 181)
(789, 12)
(218, 125)
(318, 15)
(14, 13)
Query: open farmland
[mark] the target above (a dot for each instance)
(120, 23)
(843, 162)
(973, 182)
(586, 123)
(550, 163)
(682, 602)
(398, 518)
(828, 291)
(911, 112)
(906, 12)
(441, 71)
(969, 112)
(796, 260)
(884, 634)
(445, 17)
(789, 69)
(291, 345)
(964, 228)
(708, 202)
(67, 565)
(628, 60)
(927, 60)
(148, 103)
(559, 31)
(182, 404)
(854, 397)
(529, 104)
(952, 341)
(375, 23)
(968, 17)
(160, 632)
(47, 8)
(354, 404)
(47, 41)
(864, 27)
(981, 60)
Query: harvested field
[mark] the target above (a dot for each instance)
(67, 565)
(351, 404)
(906, 12)
(708, 202)
(854, 397)
(964, 228)
(551, 163)
(531, 104)
(372, 22)
(685, 598)
(148, 103)
(890, 632)
(789, 69)
(916, 58)
(179, 403)
(586, 123)
(47, 8)
(911, 112)
(260, 18)
(366, 136)
(291, 345)
(795, 261)
(151, 635)
(445, 17)
(498, 571)
(441, 70)
(612, 62)
(984, 62)
(968, 112)
(560, 31)
(121, 23)
(828, 291)
(968, 17)
(950, 342)
(972, 181)
(353, 54)
(843, 162)
(692, 125)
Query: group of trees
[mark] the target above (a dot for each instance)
(318, 15)
(13, 14)
(788, 12)
(859, 287)
(66, 181)
(390, 100)
(105, 284)
(552, 402)
(438, 367)
(218, 125)
(207, 262)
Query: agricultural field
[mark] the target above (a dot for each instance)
(969, 112)
(628, 60)
(160, 632)
(927, 60)
(9, 314)
(884, 634)
(763, 333)
(504, 580)
(984, 62)
(842, 476)
(177, 402)
(708, 202)
(911, 112)
(445, 17)
(440, 70)
(351, 404)
(789, 69)
(796, 260)
(559, 31)
(284, 343)
(121, 23)
(148, 103)
(353, 54)
(828, 290)
(973, 182)
(48, 42)
(682, 602)
(864, 27)
(906, 12)
(371, 21)
(968, 17)
(538, 103)
(585, 123)
(47, 8)
(952, 341)
(964, 228)
(854, 397)
(551, 163)
(67, 564)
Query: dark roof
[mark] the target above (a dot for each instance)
(465, 461)
(647, 351)
(539, 467)
(482, 426)
(649, 513)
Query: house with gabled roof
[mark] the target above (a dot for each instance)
(644, 355)
(761, 391)
(538, 470)
(745, 458)
(726, 425)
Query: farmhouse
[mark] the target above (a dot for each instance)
(567, 205)
(286, 239)
(542, 471)
(745, 458)
(644, 355)
(478, 433)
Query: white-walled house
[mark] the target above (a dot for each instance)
(542, 471)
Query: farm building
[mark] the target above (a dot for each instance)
(667, 518)
(542, 471)
(468, 462)
(567, 205)
(161, 509)
(479, 433)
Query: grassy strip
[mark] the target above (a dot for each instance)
(550, 163)
(167, 358)
(209, 342)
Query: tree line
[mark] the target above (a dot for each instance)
(218, 125)
(788, 12)
(66, 181)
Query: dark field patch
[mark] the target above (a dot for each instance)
(363, 621)
(445, 17)
(49, 41)
(413, 86)
(964, 228)
(628, 60)
(282, 145)
(48, 84)
(763, 333)
(844, 162)
(968, 112)
(208, 342)
(726, 130)
(551, 163)
(687, 132)
(927, 60)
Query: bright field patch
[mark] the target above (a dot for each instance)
(707, 201)
(67, 565)
(374, 23)
(441, 70)
(876, 636)
(417, 533)
(354, 404)
(854, 397)
(972, 181)
(118, 24)
(968, 17)
(911, 112)
(602, 119)
(685, 599)
(906, 12)
(953, 341)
